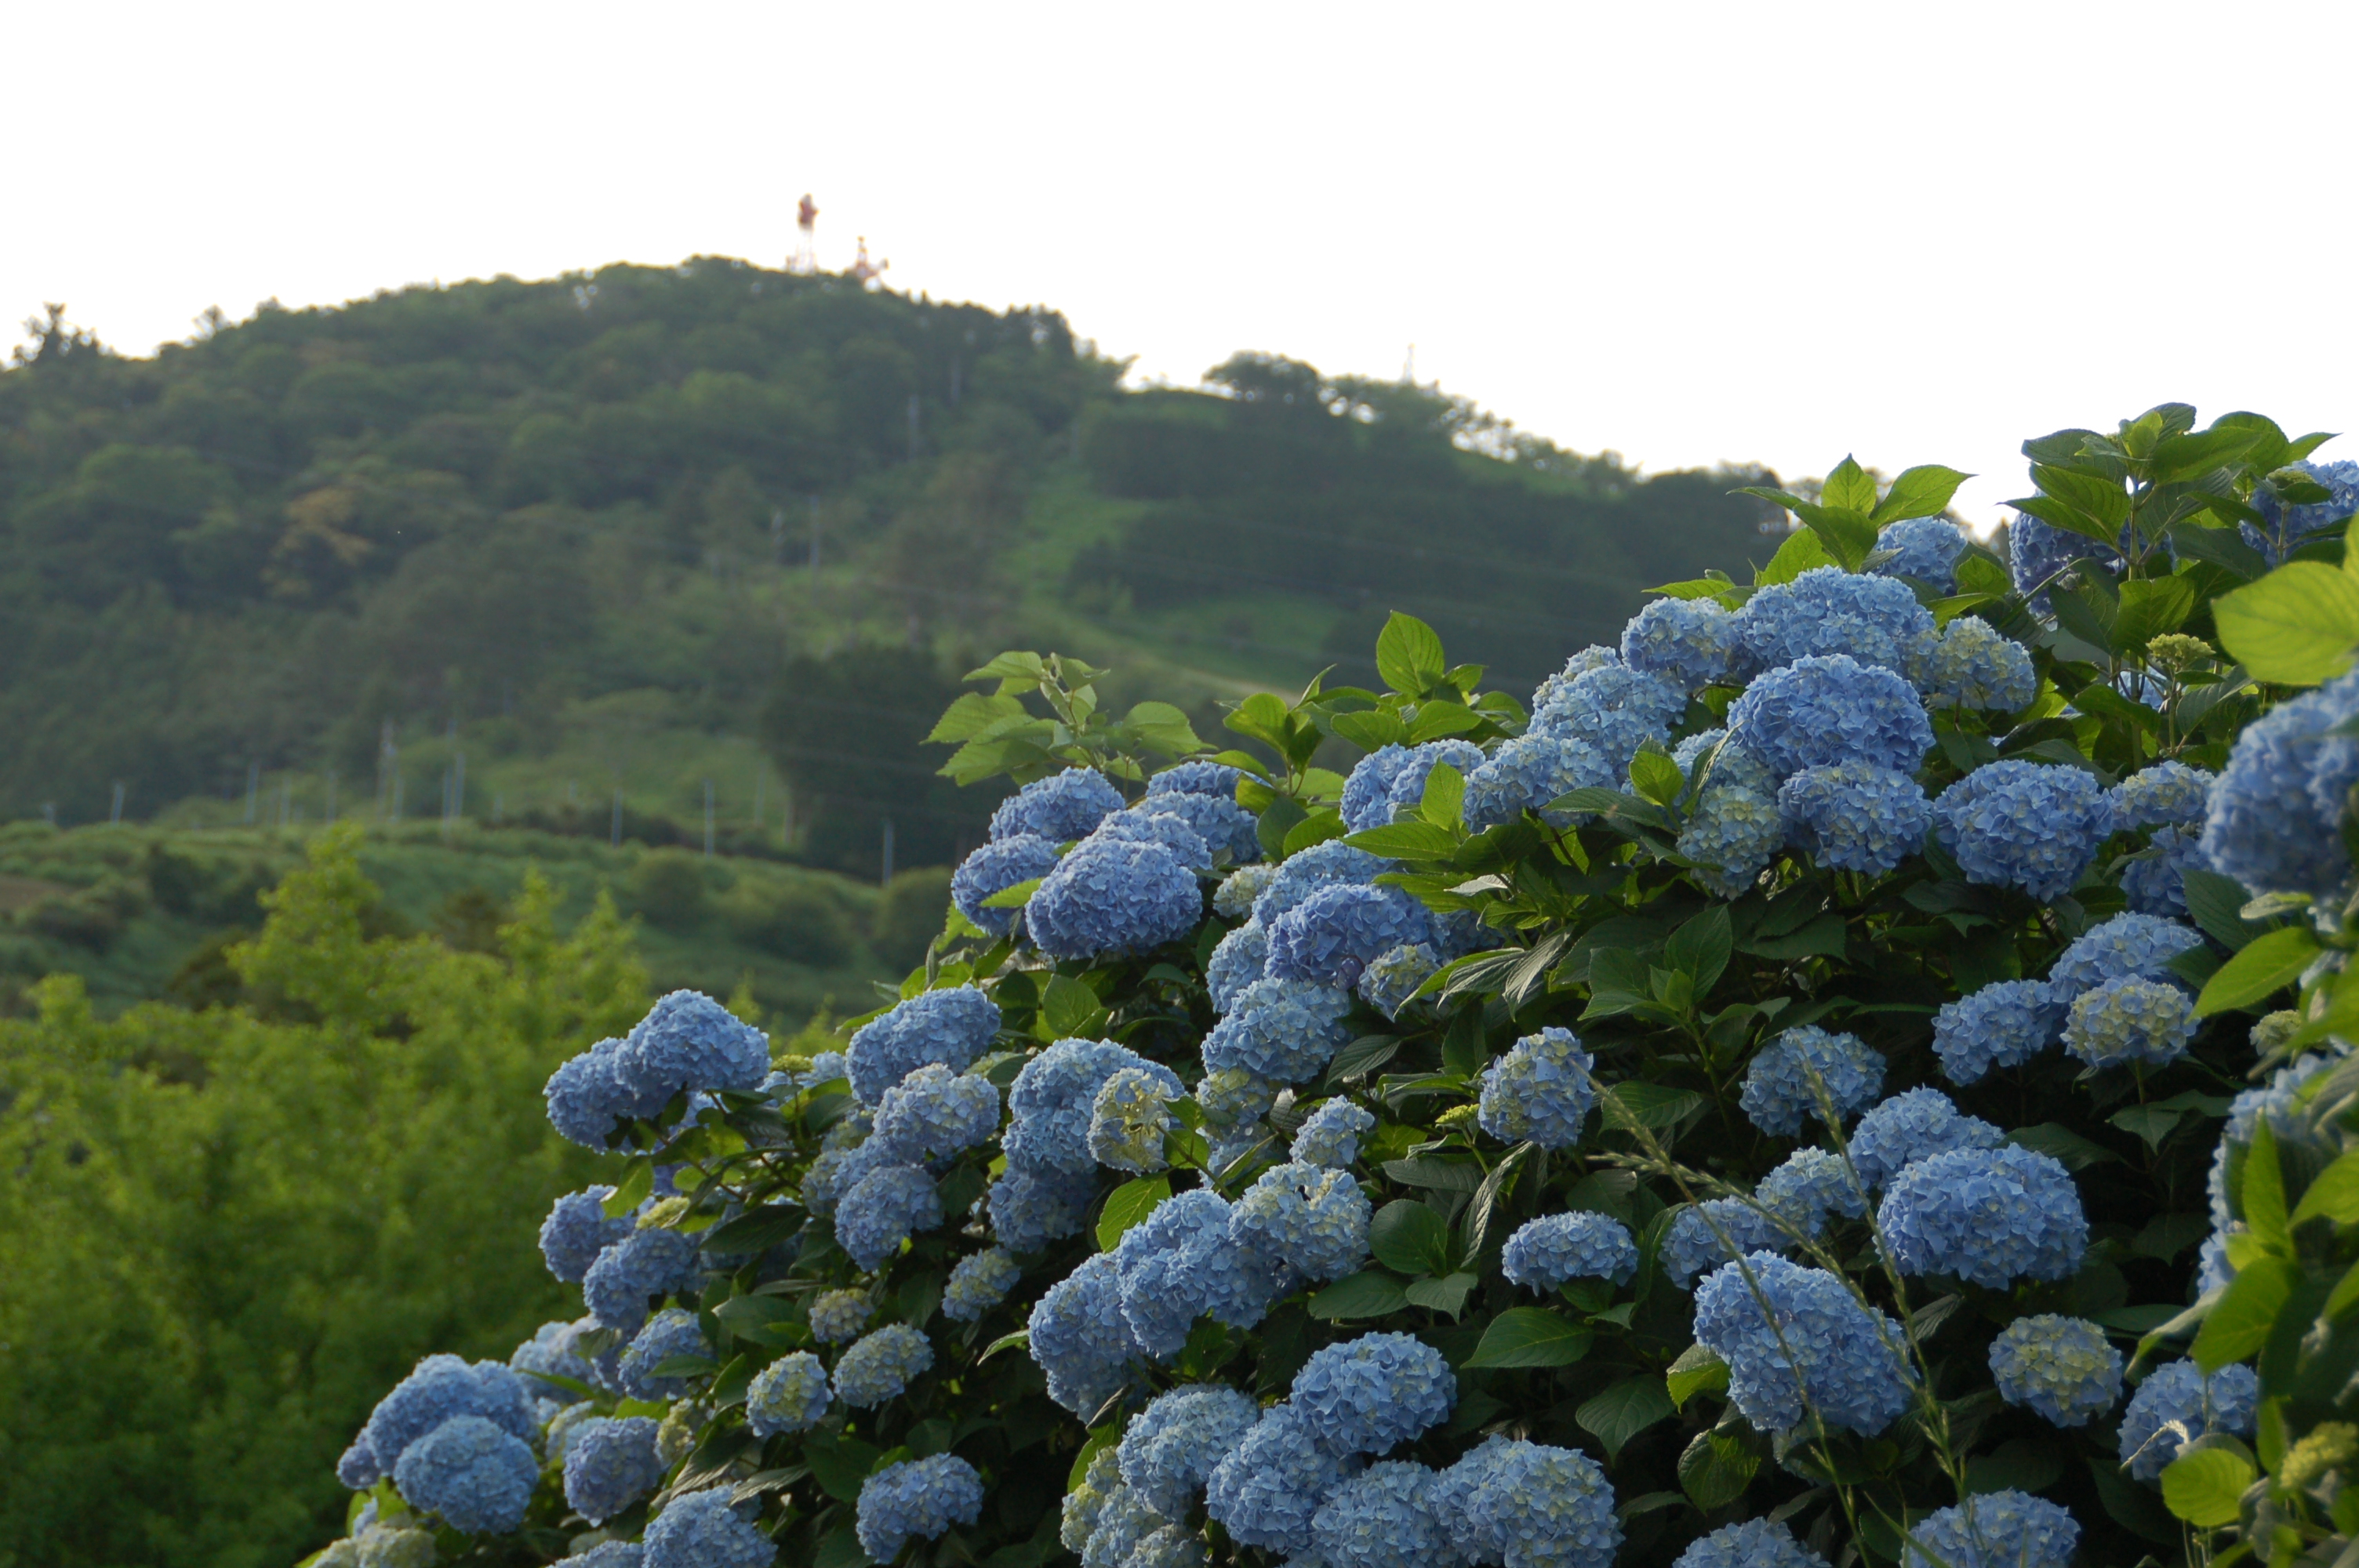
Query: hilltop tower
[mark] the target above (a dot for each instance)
(864, 271)
(806, 257)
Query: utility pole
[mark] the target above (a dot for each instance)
(778, 535)
(614, 836)
(252, 790)
(708, 820)
(114, 812)
(814, 536)
(331, 796)
(888, 849)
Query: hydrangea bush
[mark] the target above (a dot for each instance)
(1761, 1099)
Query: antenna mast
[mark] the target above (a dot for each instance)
(806, 258)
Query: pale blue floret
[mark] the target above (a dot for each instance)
(1392, 976)
(1314, 1219)
(2155, 880)
(1705, 1235)
(1130, 1119)
(1123, 1524)
(2164, 794)
(689, 1042)
(789, 1395)
(935, 1114)
(1196, 778)
(917, 1498)
(1787, 1078)
(586, 1101)
(1330, 938)
(1752, 1544)
(1368, 792)
(1284, 1031)
(1172, 1447)
(1734, 831)
(2266, 826)
(1971, 665)
(1031, 1206)
(1845, 1363)
(2025, 825)
(1231, 1095)
(1911, 1126)
(645, 1263)
(1153, 823)
(952, 1026)
(1926, 548)
(1688, 643)
(1544, 1253)
(1305, 872)
(979, 1282)
(1086, 1504)
(1059, 808)
(1807, 1189)
(1382, 1518)
(881, 1365)
(1113, 896)
(2130, 1020)
(1854, 816)
(2127, 945)
(671, 1331)
(1614, 710)
(1227, 828)
(1370, 1394)
(1407, 787)
(2176, 1405)
(1238, 960)
(1830, 708)
(1532, 1506)
(993, 869)
(610, 1463)
(1054, 1097)
(1539, 1092)
(885, 1209)
(1330, 1136)
(2062, 1368)
(552, 1349)
(1269, 1488)
(1995, 1529)
(1875, 619)
(1234, 900)
(576, 1230)
(1990, 1216)
(838, 1316)
(1528, 772)
(1078, 1338)
(703, 1530)
(2003, 1025)
(476, 1475)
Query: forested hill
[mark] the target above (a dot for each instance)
(652, 532)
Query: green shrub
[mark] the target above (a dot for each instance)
(795, 919)
(668, 886)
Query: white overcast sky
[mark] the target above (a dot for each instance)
(1688, 233)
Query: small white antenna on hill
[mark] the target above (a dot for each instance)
(1408, 367)
(806, 257)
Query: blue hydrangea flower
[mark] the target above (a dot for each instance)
(2003, 1025)
(1330, 1136)
(476, 1475)
(1331, 936)
(440, 1389)
(1238, 959)
(1844, 1360)
(1269, 1488)
(1407, 787)
(1732, 834)
(2279, 1103)
(1392, 976)
(1687, 643)
(1227, 828)
(1151, 824)
(1753, 1543)
(881, 1365)
(1314, 1219)
(935, 1114)
(2162, 794)
(2061, 1366)
(1305, 872)
(688, 1041)
(2155, 881)
(1111, 896)
(2037, 551)
(552, 1349)
(610, 1463)
(2026, 825)
(605, 1554)
(1544, 1253)
(1994, 1530)
(1990, 1216)
(1831, 708)
(1541, 1091)
(1373, 1394)
(1086, 1504)
(2130, 1020)
(1078, 1337)
(1810, 1186)
(1709, 758)
(1172, 1447)
(1382, 1518)
(1528, 772)
(1705, 1235)
(885, 1209)
(1971, 665)
(1779, 1095)
(979, 1282)
(1926, 548)
(1031, 1206)
(834, 1172)
(576, 1230)
(1059, 808)
(1234, 900)
(1875, 619)
(921, 1497)
(586, 1101)
(701, 1530)
(952, 1026)
(1914, 1125)
(1196, 778)
(1855, 815)
(2212, 1269)
(1168, 1546)
(1233, 1095)
(2265, 826)
(1596, 657)
(650, 1263)
(1284, 1031)
(838, 1316)
(2127, 945)
(993, 870)
(1614, 710)
(671, 1331)
(791, 1394)
(1122, 1525)
(1536, 1506)
(2176, 1405)
(2285, 528)
(1054, 1097)
(1130, 1119)
(1368, 792)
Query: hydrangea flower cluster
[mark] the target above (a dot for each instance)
(2272, 821)
(951, 1026)
(1314, 1219)
(1151, 824)
(1990, 1216)
(993, 870)
(2176, 1405)
(1827, 611)
(1545, 1253)
(650, 1263)
(1238, 960)
(2003, 1025)
(1059, 808)
(1787, 1078)
(476, 1475)
(979, 1281)
(1971, 665)
(2025, 825)
(1331, 937)
(610, 1464)
(1612, 710)
(672, 1332)
(468, 1469)
(1300, 875)
(1528, 772)
(1732, 834)
(1171, 1449)
(2130, 1020)
(1926, 548)
(1391, 978)
(1808, 1189)
(703, 1530)
(1541, 1091)
(576, 1230)
(1054, 1099)
(2284, 528)
(916, 1497)
(1078, 1337)
(1705, 1235)
(838, 1316)
(1408, 780)
(1855, 815)
(1687, 643)
(882, 1364)
(1330, 1135)
(1995, 1529)
(1797, 1342)
(1382, 1518)
(791, 1394)
(1911, 1126)
(883, 1210)
(1527, 1505)
(1830, 708)
(935, 1114)
(1753, 1543)
(1284, 1031)
(2062, 1368)
(1268, 1490)
(1130, 1117)
(1371, 1394)
(2165, 794)
(1111, 896)
(1234, 900)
